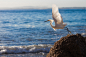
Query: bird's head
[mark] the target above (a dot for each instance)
(49, 20)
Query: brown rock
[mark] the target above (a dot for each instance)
(69, 46)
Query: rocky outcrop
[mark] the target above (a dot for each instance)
(69, 46)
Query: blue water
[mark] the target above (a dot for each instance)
(27, 27)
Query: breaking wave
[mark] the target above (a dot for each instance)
(25, 49)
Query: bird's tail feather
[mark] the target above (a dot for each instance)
(64, 24)
(54, 29)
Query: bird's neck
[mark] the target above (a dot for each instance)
(52, 25)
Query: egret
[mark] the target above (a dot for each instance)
(59, 24)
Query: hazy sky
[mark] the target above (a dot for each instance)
(42, 3)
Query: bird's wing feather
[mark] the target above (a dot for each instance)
(56, 15)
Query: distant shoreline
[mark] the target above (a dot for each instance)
(20, 8)
(73, 8)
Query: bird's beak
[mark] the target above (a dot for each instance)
(45, 21)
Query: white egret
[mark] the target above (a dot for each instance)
(59, 24)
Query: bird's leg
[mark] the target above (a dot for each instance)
(69, 32)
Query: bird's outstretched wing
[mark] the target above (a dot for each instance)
(56, 15)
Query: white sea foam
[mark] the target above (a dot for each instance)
(25, 49)
(83, 33)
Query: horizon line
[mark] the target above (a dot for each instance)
(32, 7)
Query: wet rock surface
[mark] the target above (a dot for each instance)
(69, 46)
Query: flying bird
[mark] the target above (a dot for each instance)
(59, 24)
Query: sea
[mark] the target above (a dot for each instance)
(23, 32)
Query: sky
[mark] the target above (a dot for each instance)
(42, 3)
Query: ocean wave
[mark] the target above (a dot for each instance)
(83, 34)
(25, 49)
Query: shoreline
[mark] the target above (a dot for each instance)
(25, 55)
(40, 8)
(40, 54)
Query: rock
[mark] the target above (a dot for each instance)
(69, 46)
